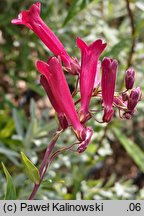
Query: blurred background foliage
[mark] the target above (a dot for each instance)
(113, 165)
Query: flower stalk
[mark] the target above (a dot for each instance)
(45, 164)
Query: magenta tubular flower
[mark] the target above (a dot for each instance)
(90, 56)
(60, 95)
(109, 69)
(31, 18)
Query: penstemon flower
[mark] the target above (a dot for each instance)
(90, 56)
(101, 88)
(109, 69)
(52, 70)
(31, 18)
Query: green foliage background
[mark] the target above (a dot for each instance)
(113, 165)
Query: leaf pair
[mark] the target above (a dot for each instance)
(31, 172)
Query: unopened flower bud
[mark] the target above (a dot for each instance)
(129, 78)
(134, 98)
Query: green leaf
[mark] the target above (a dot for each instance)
(76, 7)
(10, 190)
(8, 129)
(10, 154)
(132, 148)
(18, 123)
(30, 169)
(32, 109)
(32, 129)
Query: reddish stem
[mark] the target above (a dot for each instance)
(44, 164)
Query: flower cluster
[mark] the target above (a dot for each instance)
(90, 84)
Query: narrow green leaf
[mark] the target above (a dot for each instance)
(32, 109)
(10, 154)
(71, 13)
(7, 152)
(76, 7)
(119, 47)
(18, 123)
(8, 129)
(132, 148)
(10, 190)
(30, 169)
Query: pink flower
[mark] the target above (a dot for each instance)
(90, 55)
(109, 69)
(59, 94)
(31, 18)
